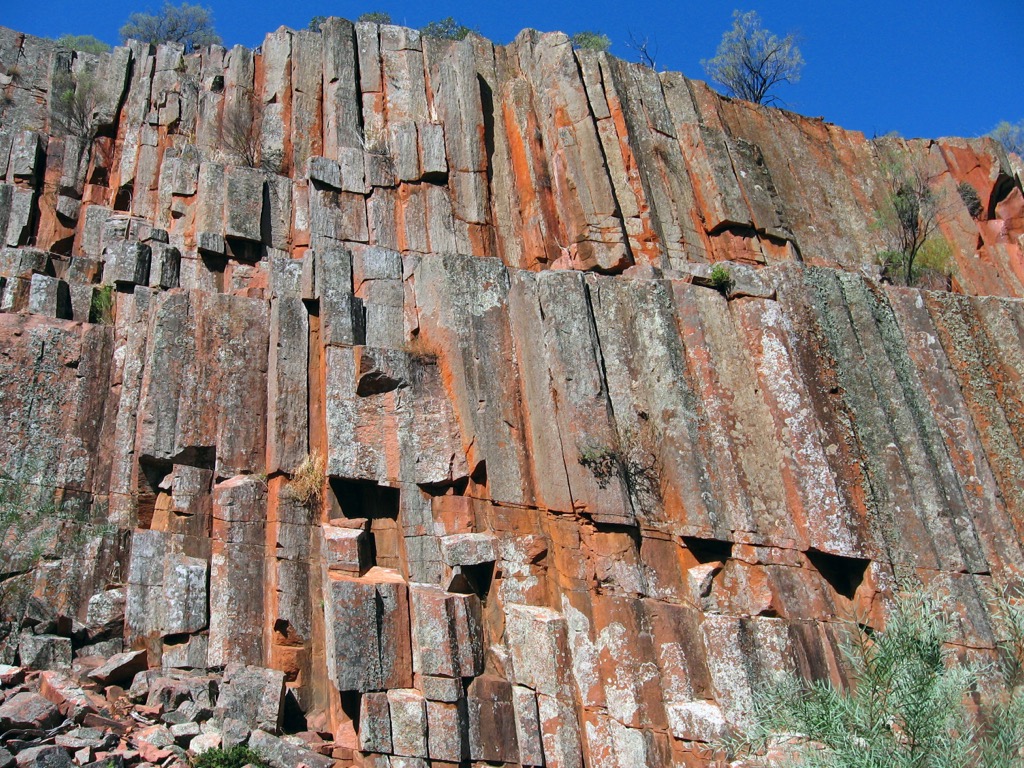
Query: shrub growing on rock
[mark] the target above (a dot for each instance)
(375, 17)
(970, 197)
(237, 756)
(190, 25)
(307, 485)
(84, 43)
(446, 29)
(910, 702)
(591, 41)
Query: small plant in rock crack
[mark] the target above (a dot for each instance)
(101, 308)
(639, 475)
(603, 463)
(721, 279)
(307, 485)
(969, 195)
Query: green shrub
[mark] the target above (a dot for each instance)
(190, 25)
(236, 757)
(446, 29)
(315, 22)
(84, 43)
(970, 197)
(101, 308)
(910, 703)
(591, 41)
(376, 17)
(73, 100)
(909, 225)
(721, 279)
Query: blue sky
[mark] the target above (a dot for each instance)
(938, 68)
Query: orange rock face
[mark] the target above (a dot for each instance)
(396, 365)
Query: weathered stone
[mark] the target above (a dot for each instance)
(374, 723)
(127, 263)
(165, 266)
(120, 667)
(408, 722)
(528, 733)
(282, 754)
(446, 631)
(50, 297)
(243, 203)
(492, 724)
(254, 696)
(468, 549)
(446, 731)
(28, 710)
(375, 605)
(345, 549)
(44, 651)
(44, 757)
(236, 595)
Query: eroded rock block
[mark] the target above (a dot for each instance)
(120, 668)
(345, 549)
(28, 710)
(492, 724)
(254, 696)
(165, 266)
(44, 651)
(408, 722)
(243, 204)
(367, 630)
(374, 723)
(50, 297)
(127, 263)
(283, 754)
(447, 632)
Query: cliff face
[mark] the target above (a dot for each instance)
(578, 504)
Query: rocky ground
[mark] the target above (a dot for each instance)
(109, 713)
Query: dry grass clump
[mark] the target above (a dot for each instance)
(307, 485)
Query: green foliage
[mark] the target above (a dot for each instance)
(751, 62)
(910, 705)
(73, 100)
(721, 279)
(909, 225)
(236, 757)
(447, 29)
(315, 22)
(376, 17)
(85, 43)
(969, 195)
(101, 308)
(591, 41)
(190, 25)
(1010, 135)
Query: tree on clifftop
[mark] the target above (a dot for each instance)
(190, 25)
(750, 61)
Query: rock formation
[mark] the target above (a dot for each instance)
(389, 369)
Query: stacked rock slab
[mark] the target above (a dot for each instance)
(394, 365)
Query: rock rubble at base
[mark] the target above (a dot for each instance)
(165, 718)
